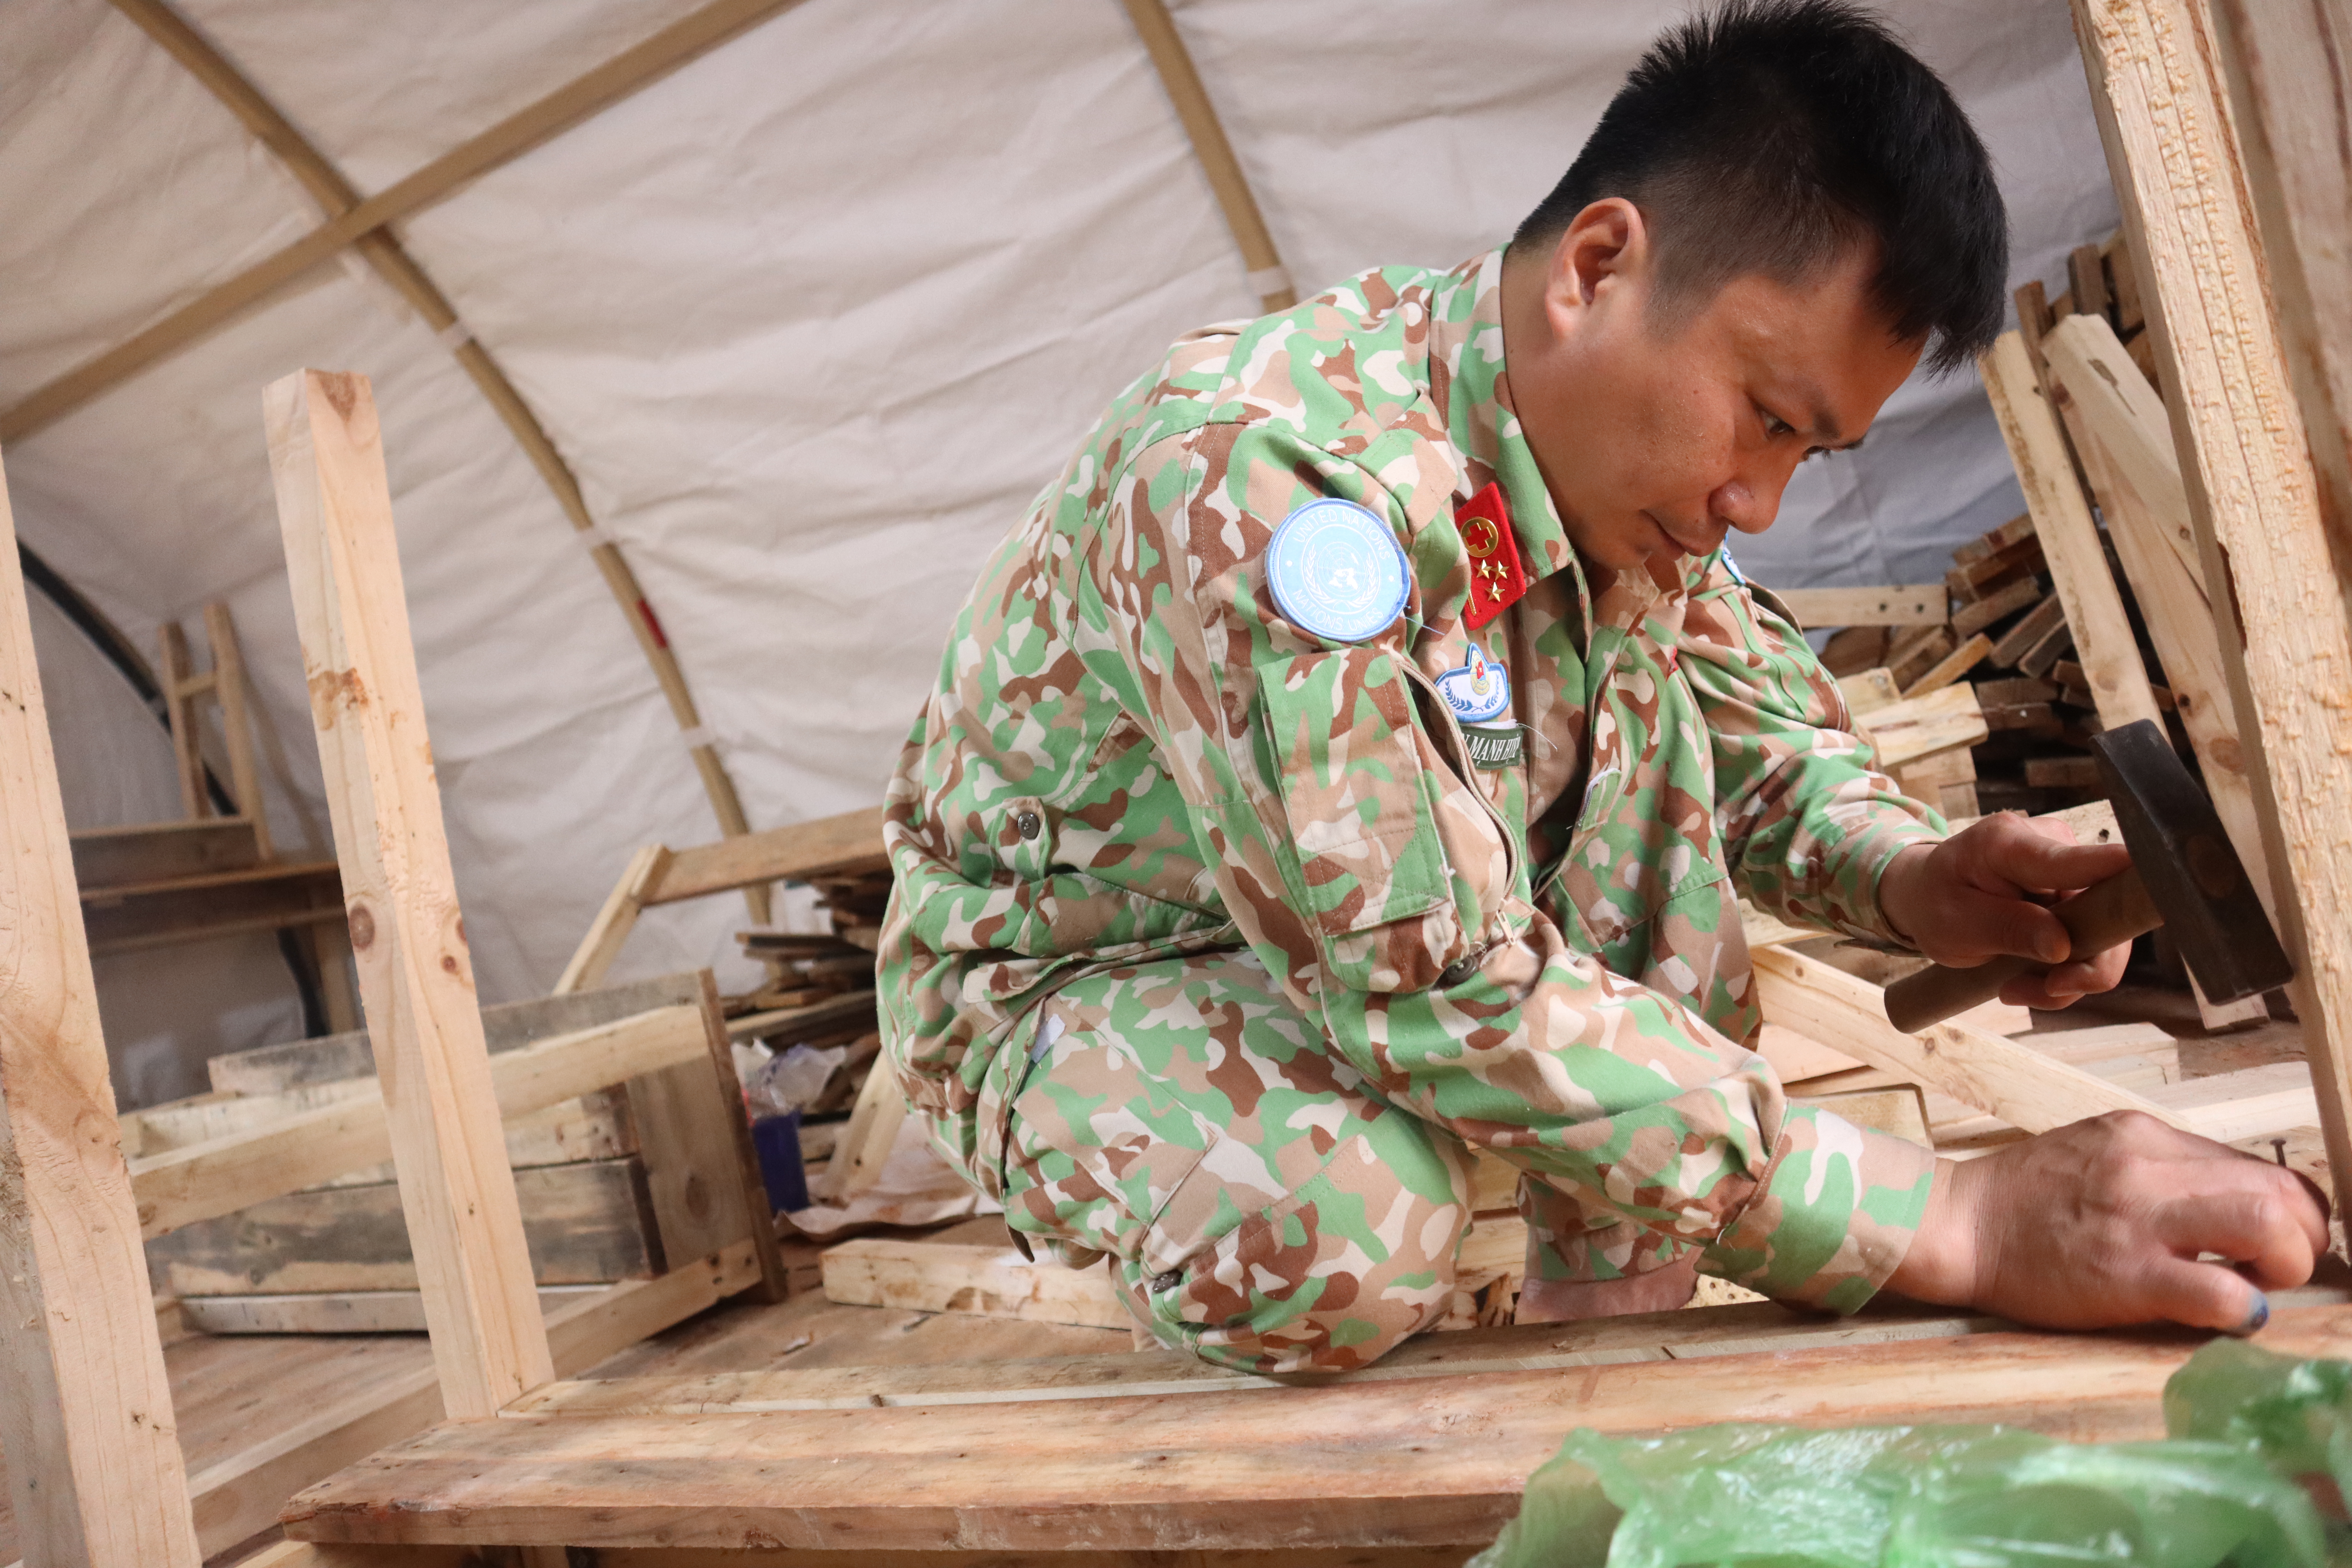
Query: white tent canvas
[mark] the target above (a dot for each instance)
(811, 319)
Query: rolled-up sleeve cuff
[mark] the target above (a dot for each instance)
(1833, 1216)
(1863, 858)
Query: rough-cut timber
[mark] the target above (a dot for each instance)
(94, 1469)
(1430, 1460)
(2254, 494)
(416, 976)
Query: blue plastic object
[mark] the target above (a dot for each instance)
(778, 1141)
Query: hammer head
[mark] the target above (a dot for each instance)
(2185, 860)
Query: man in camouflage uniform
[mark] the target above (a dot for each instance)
(1219, 941)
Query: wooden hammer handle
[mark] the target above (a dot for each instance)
(2114, 911)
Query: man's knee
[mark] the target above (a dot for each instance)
(1335, 1275)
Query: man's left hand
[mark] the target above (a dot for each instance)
(1985, 891)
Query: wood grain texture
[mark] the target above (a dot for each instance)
(85, 1409)
(2254, 495)
(1410, 1461)
(828, 846)
(2012, 1081)
(609, 932)
(2070, 538)
(1897, 604)
(407, 935)
(2118, 424)
(991, 1281)
(240, 1168)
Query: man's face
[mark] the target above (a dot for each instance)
(1657, 436)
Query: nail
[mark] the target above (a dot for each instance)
(2256, 1315)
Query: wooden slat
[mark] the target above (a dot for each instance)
(237, 724)
(416, 975)
(2070, 538)
(1921, 726)
(829, 845)
(1953, 666)
(224, 1175)
(1429, 1460)
(2254, 498)
(1899, 605)
(260, 898)
(2009, 1079)
(609, 932)
(94, 1471)
(106, 858)
(336, 1311)
(992, 1281)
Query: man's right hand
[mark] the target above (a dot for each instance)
(2102, 1223)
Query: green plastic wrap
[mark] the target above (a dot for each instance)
(2223, 1489)
(2296, 1414)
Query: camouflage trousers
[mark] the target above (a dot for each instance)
(1265, 1207)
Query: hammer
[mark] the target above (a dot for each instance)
(2184, 873)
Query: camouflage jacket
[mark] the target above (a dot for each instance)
(1130, 754)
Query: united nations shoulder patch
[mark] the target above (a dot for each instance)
(1336, 571)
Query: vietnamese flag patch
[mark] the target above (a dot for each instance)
(1498, 578)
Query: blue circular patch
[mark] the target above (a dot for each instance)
(1336, 571)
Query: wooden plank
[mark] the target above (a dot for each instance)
(238, 1497)
(220, 903)
(829, 846)
(610, 930)
(583, 1224)
(1869, 690)
(1918, 727)
(107, 857)
(416, 976)
(851, 1011)
(2086, 276)
(95, 1475)
(172, 669)
(1431, 1460)
(1901, 604)
(2232, 1105)
(337, 1311)
(2010, 1080)
(2036, 625)
(1994, 541)
(237, 724)
(2254, 497)
(703, 1172)
(866, 1143)
(2093, 607)
(1953, 666)
(1998, 604)
(989, 1282)
(238, 1169)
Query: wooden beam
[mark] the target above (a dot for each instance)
(2070, 538)
(802, 851)
(1427, 1460)
(609, 932)
(1269, 278)
(237, 723)
(2254, 498)
(1920, 726)
(94, 1472)
(1901, 604)
(2008, 1080)
(381, 250)
(989, 1282)
(416, 975)
(237, 1170)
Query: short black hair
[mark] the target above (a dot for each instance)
(1771, 136)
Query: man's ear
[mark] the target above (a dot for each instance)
(1606, 246)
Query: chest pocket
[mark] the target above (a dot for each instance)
(1362, 812)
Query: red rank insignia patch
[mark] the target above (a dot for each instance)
(1496, 576)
